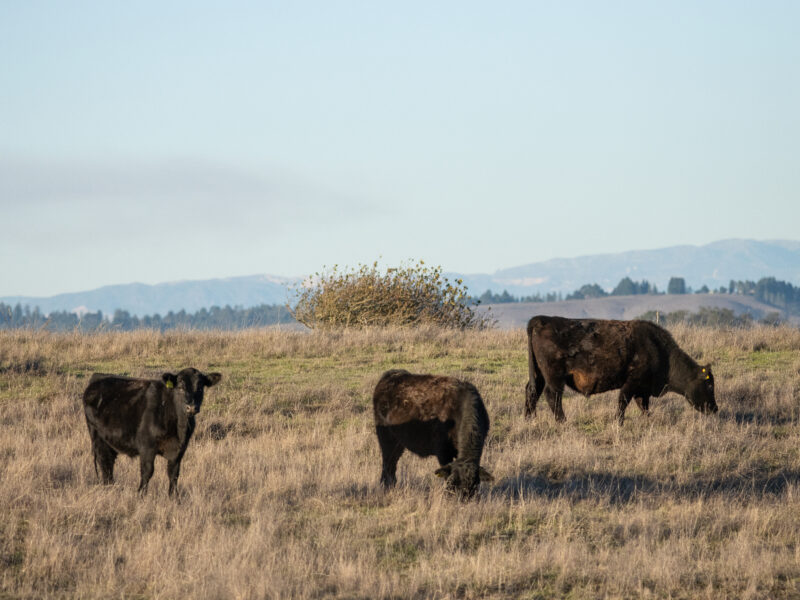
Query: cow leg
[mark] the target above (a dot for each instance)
(623, 400)
(173, 470)
(391, 451)
(447, 453)
(533, 389)
(104, 457)
(146, 460)
(553, 396)
(643, 403)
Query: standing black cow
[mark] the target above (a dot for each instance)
(432, 415)
(144, 417)
(592, 356)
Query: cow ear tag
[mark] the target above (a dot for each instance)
(170, 385)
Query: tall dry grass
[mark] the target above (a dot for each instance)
(280, 495)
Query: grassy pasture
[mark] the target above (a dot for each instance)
(279, 486)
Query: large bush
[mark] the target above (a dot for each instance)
(407, 295)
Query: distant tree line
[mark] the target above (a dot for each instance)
(226, 318)
(768, 290)
(626, 287)
(715, 317)
(490, 298)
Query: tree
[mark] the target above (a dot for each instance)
(488, 297)
(625, 287)
(592, 290)
(91, 321)
(122, 320)
(676, 285)
(17, 317)
(532, 298)
(778, 293)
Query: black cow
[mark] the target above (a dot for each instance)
(432, 415)
(592, 356)
(144, 417)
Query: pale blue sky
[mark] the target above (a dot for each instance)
(155, 141)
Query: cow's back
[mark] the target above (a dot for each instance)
(114, 406)
(114, 390)
(595, 341)
(590, 355)
(401, 397)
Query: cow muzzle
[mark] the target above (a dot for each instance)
(190, 410)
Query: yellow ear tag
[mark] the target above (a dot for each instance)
(170, 385)
(708, 376)
(704, 370)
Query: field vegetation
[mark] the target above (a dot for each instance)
(280, 494)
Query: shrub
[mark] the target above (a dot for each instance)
(407, 295)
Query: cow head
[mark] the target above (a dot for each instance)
(700, 391)
(187, 393)
(463, 477)
(189, 385)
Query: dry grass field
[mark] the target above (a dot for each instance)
(280, 495)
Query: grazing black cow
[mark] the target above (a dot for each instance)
(592, 356)
(432, 415)
(144, 417)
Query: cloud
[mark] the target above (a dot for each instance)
(174, 188)
(74, 225)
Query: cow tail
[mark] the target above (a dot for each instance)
(94, 452)
(473, 427)
(92, 434)
(534, 373)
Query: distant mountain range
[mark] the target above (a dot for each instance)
(140, 299)
(713, 265)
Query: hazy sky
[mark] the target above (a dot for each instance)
(155, 141)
